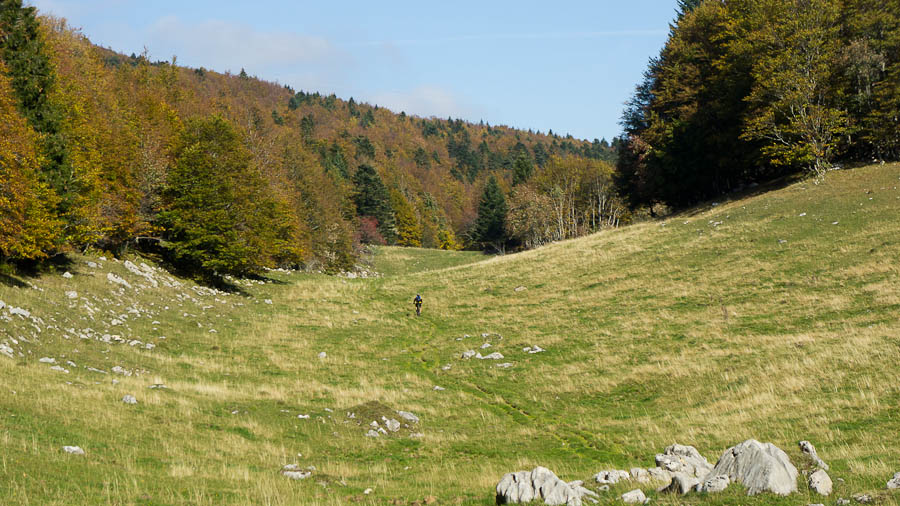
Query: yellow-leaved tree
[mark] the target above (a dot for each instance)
(28, 227)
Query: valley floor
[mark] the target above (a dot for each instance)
(774, 317)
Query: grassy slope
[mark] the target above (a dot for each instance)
(743, 320)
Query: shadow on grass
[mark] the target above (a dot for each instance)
(14, 273)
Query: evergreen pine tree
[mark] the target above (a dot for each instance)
(372, 199)
(32, 77)
(490, 225)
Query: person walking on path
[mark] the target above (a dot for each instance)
(418, 302)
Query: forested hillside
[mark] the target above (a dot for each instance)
(746, 91)
(231, 174)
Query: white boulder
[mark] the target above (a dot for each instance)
(760, 467)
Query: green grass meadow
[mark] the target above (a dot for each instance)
(775, 317)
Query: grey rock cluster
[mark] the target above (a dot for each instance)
(541, 484)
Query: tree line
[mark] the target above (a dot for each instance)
(229, 174)
(746, 91)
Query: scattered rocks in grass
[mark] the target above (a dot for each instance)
(268, 301)
(374, 416)
(519, 288)
(807, 448)
(539, 484)
(59, 368)
(322, 354)
(67, 275)
(842, 502)
(505, 365)
(716, 483)
(760, 467)
(367, 491)
(22, 313)
(894, 483)
(406, 415)
(684, 459)
(468, 354)
(47, 360)
(681, 484)
(129, 399)
(492, 356)
(392, 425)
(820, 482)
(74, 450)
(611, 476)
(121, 370)
(438, 388)
(118, 280)
(636, 496)
(155, 386)
(72, 294)
(371, 433)
(92, 265)
(446, 367)
(863, 498)
(533, 349)
(485, 346)
(303, 417)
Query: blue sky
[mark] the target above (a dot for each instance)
(565, 66)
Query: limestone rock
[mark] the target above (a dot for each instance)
(716, 483)
(294, 472)
(760, 467)
(67, 275)
(635, 497)
(74, 450)
(72, 294)
(538, 484)
(47, 360)
(113, 278)
(659, 474)
(863, 498)
(611, 476)
(468, 354)
(493, 356)
(129, 399)
(820, 482)
(372, 433)
(639, 475)
(810, 450)
(393, 425)
(894, 482)
(322, 354)
(681, 484)
(409, 417)
(684, 459)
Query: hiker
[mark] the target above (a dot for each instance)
(418, 302)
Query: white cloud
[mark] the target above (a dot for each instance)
(224, 45)
(425, 101)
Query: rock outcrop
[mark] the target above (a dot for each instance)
(760, 467)
(684, 459)
(681, 484)
(539, 484)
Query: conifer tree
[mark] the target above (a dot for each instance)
(490, 225)
(31, 73)
(218, 218)
(372, 199)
